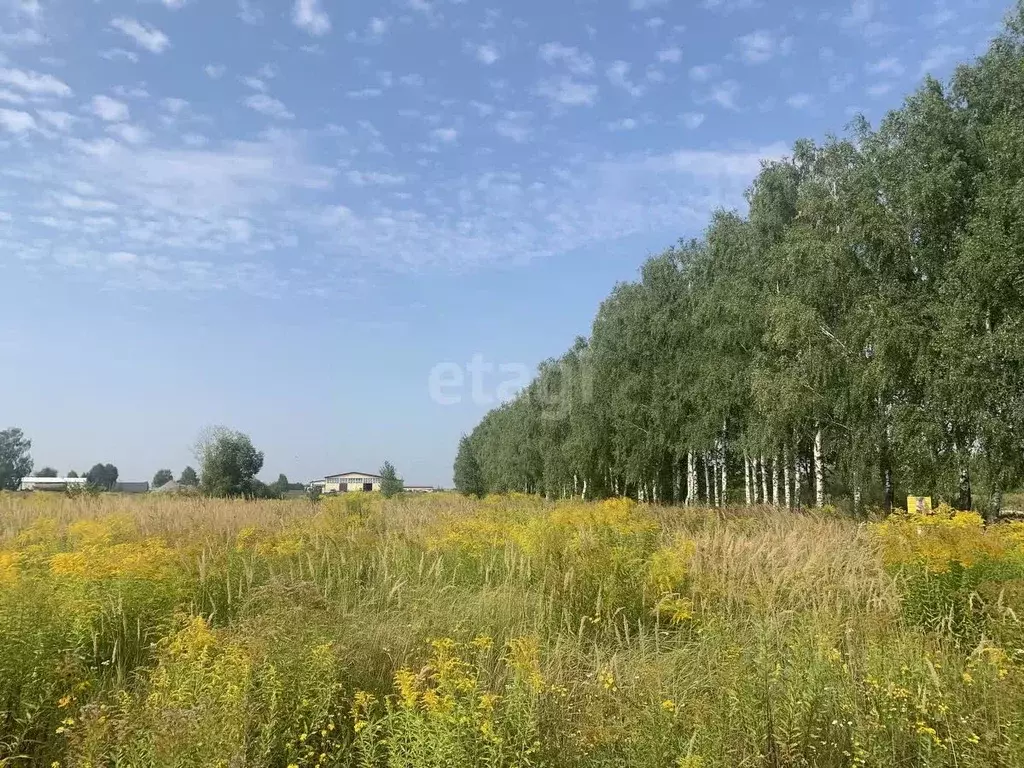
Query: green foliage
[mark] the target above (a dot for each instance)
(46, 472)
(468, 478)
(857, 335)
(162, 477)
(390, 483)
(15, 461)
(102, 476)
(229, 464)
(72, 473)
(188, 478)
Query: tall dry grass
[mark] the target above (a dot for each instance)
(511, 631)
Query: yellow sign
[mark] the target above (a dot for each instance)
(922, 505)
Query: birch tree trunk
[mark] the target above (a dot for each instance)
(716, 470)
(798, 478)
(775, 480)
(764, 480)
(707, 479)
(583, 495)
(819, 470)
(785, 475)
(691, 478)
(746, 476)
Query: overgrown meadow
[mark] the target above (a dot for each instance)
(441, 631)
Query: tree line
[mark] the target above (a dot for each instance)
(856, 334)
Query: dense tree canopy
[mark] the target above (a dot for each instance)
(390, 483)
(103, 476)
(856, 334)
(46, 472)
(15, 461)
(229, 464)
(162, 477)
(189, 478)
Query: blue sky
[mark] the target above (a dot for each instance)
(284, 215)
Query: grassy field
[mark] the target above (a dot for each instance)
(439, 631)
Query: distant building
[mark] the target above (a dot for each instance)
(51, 483)
(347, 482)
(419, 488)
(132, 487)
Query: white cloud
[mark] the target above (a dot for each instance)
(761, 46)
(575, 61)
(23, 37)
(34, 83)
(374, 178)
(365, 93)
(78, 203)
(412, 80)
(132, 134)
(879, 89)
(514, 126)
(724, 94)
(420, 6)
(861, 13)
(938, 57)
(729, 6)
(109, 109)
(255, 83)
(174, 106)
(150, 38)
(617, 73)
(939, 17)
(309, 16)
(671, 55)
(566, 92)
(692, 120)
(174, 4)
(799, 100)
(267, 105)
(11, 97)
(249, 13)
(15, 121)
(112, 54)
(643, 5)
(377, 27)
(122, 258)
(487, 53)
(62, 121)
(703, 73)
(623, 124)
(215, 71)
(447, 135)
(887, 66)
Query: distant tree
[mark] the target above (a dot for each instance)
(72, 473)
(188, 478)
(15, 461)
(280, 486)
(229, 464)
(390, 483)
(468, 478)
(46, 472)
(313, 493)
(102, 476)
(162, 477)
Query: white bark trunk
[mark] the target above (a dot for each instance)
(691, 479)
(775, 481)
(715, 471)
(764, 480)
(725, 479)
(798, 477)
(707, 480)
(819, 471)
(583, 495)
(785, 475)
(654, 492)
(746, 477)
